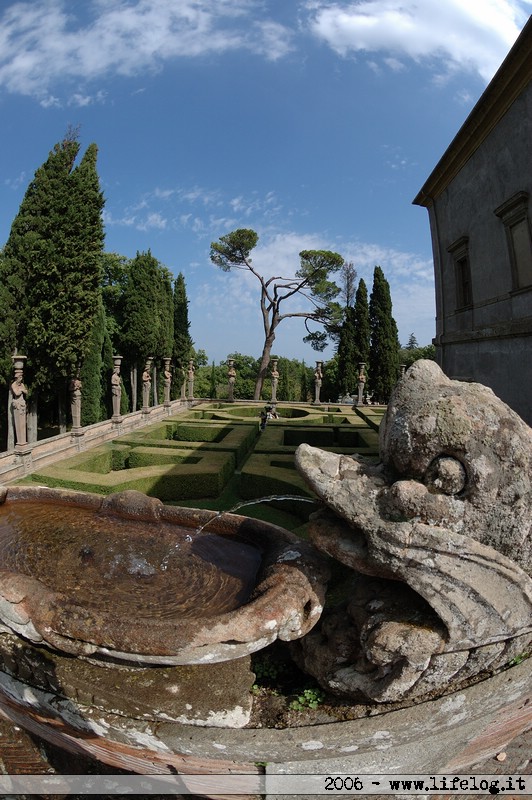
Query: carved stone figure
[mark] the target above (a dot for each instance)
(146, 385)
(18, 401)
(75, 401)
(275, 379)
(318, 376)
(231, 377)
(439, 538)
(190, 378)
(116, 386)
(361, 384)
(167, 377)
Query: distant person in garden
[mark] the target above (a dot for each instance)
(263, 419)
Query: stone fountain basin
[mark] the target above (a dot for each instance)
(129, 578)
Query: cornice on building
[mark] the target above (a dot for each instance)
(510, 80)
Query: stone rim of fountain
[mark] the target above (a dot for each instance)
(286, 602)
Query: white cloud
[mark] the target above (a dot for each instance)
(50, 102)
(474, 35)
(152, 220)
(129, 219)
(82, 100)
(15, 183)
(43, 43)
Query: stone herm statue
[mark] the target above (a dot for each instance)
(275, 379)
(190, 379)
(74, 389)
(439, 538)
(146, 385)
(231, 377)
(167, 377)
(18, 400)
(116, 386)
(318, 377)
(361, 384)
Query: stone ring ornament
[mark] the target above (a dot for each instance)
(126, 577)
(438, 534)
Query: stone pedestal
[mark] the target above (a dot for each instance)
(23, 455)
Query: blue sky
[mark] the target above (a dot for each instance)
(313, 122)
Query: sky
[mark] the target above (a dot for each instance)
(313, 122)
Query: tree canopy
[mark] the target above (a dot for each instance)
(51, 267)
(384, 346)
(183, 344)
(311, 281)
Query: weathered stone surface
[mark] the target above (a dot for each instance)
(215, 695)
(461, 727)
(448, 512)
(432, 423)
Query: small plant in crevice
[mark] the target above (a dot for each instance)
(275, 670)
(308, 698)
(266, 669)
(518, 659)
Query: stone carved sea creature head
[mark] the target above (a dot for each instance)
(443, 527)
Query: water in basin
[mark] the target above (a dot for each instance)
(128, 567)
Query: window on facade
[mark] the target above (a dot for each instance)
(462, 272)
(514, 216)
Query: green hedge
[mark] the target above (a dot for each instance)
(238, 438)
(170, 482)
(317, 437)
(196, 432)
(263, 476)
(149, 456)
(371, 416)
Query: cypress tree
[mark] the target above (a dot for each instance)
(52, 265)
(8, 338)
(50, 272)
(347, 354)
(166, 314)
(384, 346)
(182, 345)
(8, 321)
(93, 371)
(304, 383)
(164, 322)
(115, 272)
(140, 333)
(361, 323)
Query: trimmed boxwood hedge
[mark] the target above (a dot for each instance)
(200, 464)
(263, 476)
(195, 476)
(150, 456)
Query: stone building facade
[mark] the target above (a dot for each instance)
(479, 200)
